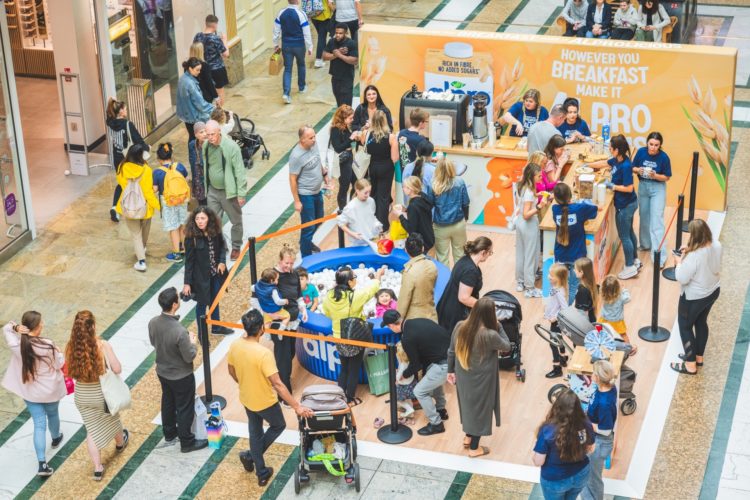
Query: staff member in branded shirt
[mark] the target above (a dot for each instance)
(654, 170)
(570, 238)
(342, 52)
(574, 128)
(522, 115)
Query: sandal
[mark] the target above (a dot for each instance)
(485, 451)
(467, 443)
(355, 402)
(125, 439)
(378, 423)
(682, 357)
(681, 368)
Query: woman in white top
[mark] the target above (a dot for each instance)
(527, 231)
(349, 12)
(652, 18)
(625, 22)
(697, 271)
(358, 217)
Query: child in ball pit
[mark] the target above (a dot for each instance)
(386, 299)
(310, 293)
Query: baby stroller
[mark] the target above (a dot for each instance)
(249, 142)
(574, 325)
(508, 312)
(333, 423)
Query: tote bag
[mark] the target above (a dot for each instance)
(116, 391)
(376, 367)
(361, 161)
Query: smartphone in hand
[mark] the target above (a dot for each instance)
(677, 253)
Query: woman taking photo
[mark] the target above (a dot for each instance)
(135, 169)
(598, 19)
(654, 169)
(382, 146)
(476, 344)
(652, 19)
(205, 267)
(341, 142)
(626, 202)
(35, 375)
(527, 231)
(87, 358)
(462, 290)
(365, 111)
(574, 128)
(698, 273)
(525, 113)
(450, 199)
(417, 218)
(191, 107)
(343, 302)
(123, 134)
(205, 82)
(562, 443)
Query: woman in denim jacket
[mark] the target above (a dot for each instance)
(191, 107)
(449, 196)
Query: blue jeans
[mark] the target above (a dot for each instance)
(591, 35)
(565, 489)
(312, 208)
(41, 413)
(624, 221)
(290, 54)
(200, 309)
(652, 196)
(260, 441)
(594, 489)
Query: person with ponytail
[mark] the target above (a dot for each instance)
(35, 374)
(570, 238)
(527, 231)
(423, 167)
(87, 357)
(191, 107)
(449, 196)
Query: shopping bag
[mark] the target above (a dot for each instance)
(377, 373)
(116, 392)
(199, 421)
(275, 64)
(215, 427)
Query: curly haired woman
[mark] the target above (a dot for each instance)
(87, 357)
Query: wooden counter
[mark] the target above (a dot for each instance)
(505, 147)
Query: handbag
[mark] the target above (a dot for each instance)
(70, 385)
(116, 391)
(332, 161)
(353, 328)
(361, 162)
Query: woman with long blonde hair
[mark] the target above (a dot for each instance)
(87, 357)
(472, 367)
(205, 82)
(450, 197)
(341, 143)
(382, 146)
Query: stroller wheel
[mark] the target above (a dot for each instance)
(628, 406)
(555, 391)
(265, 155)
(297, 484)
(521, 375)
(354, 448)
(356, 477)
(249, 163)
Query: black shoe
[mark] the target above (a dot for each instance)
(125, 439)
(443, 414)
(555, 372)
(429, 429)
(315, 248)
(247, 462)
(56, 442)
(198, 444)
(563, 361)
(113, 215)
(221, 330)
(171, 440)
(44, 470)
(262, 481)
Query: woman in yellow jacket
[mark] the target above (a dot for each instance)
(343, 302)
(134, 166)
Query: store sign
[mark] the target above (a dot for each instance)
(10, 204)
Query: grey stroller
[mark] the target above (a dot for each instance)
(574, 325)
(333, 422)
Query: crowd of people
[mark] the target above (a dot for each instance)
(595, 19)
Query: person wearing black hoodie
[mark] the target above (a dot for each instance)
(123, 134)
(418, 215)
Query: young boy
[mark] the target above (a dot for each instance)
(267, 292)
(309, 291)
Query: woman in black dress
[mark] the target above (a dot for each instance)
(341, 142)
(371, 103)
(205, 268)
(462, 290)
(382, 146)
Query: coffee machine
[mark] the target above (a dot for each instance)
(479, 121)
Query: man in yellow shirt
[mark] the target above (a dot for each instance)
(253, 367)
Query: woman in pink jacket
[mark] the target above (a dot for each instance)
(35, 374)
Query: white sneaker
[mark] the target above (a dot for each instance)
(303, 90)
(140, 266)
(319, 63)
(519, 287)
(638, 264)
(287, 99)
(534, 293)
(628, 272)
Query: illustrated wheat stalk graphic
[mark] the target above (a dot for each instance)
(509, 89)
(712, 135)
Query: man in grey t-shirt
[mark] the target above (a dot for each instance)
(306, 176)
(541, 132)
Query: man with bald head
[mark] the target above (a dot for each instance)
(225, 179)
(306, 176)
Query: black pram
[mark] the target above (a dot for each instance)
(508, 312)
(243, 133)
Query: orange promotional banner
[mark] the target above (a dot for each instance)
(683, 91)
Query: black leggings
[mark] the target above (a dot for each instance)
(349, 374)
(474, 444)
(346, 182)
(557, 352)
(692, 318)
(116, 197)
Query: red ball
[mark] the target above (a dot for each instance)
(385, 246)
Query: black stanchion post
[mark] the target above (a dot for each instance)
(669, 272)
(252, 257)
(210, 396)
(654, 332)
(394, 433)
(342, 241)
(693, 191)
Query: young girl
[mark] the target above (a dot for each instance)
(556, 302)
(417, 217)
(175, 216)
(527, 232)
(556, 157)
(386, 300)
(587, 294)
(358, 217)
(614, 299)
(310, 294)
(602, 413)
(404, 386)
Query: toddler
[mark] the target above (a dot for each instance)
(310, 295)
(556, 302)
(404, 386)
(614, 299)
(386, 300)
(267, 292)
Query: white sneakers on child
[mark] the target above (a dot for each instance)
(533, 293)
(519, 287)
(140, 266)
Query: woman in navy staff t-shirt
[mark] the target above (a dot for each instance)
(562, 443)
(525, 113)
(626, 202)
(574, 128)
(570, 238)
(654, 169)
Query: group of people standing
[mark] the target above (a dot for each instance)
(595, 19)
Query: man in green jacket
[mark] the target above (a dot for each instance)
(226, 180)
